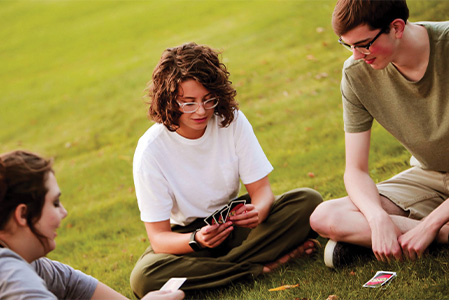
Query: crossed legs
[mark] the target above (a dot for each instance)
(341, 220)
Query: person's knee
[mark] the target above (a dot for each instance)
(141, 282)
(313, 197)
(136, 279)
(324, 218)
(306, 198)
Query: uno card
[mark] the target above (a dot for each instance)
(211, 220)
(219, 215)
(380, 279)
(173, 284)
(224, 213)
(233, 207)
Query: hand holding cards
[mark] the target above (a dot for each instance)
(222, 215)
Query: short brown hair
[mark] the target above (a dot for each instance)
(189, 61)
(349, 14)
(22, 181)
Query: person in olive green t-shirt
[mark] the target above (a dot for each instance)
(398, 75)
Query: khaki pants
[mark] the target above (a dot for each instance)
(242, 254)
(416, 191)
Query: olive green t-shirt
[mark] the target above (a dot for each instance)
(415, 113)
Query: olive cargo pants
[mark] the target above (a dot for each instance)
(242, 254)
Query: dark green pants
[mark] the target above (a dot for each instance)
(242, 254)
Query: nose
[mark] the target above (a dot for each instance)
(63, 211)
(201, 110)
(357, 54)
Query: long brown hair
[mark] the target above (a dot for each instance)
(22, 181)
(189, 61)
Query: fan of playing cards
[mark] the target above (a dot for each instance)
(222, 215)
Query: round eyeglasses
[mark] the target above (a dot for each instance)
(191, 107)
(362, 49)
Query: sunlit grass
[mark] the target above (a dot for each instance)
(73, 75)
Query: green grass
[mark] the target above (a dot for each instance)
(73, 75)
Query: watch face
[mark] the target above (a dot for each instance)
(194, 245)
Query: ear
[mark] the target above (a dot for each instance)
(398, 27)
(20, 215)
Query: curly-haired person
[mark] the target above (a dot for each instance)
(189, 164)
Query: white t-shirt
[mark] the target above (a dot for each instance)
(183, 179)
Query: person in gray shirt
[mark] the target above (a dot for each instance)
(30, 213)
(42, 279)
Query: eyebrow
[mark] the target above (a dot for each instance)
(359, 43)
(193, 98)
(362, 42)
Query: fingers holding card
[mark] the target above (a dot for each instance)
(234, 206)
(246, 216)
(222, 215)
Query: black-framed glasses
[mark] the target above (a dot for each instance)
(362, 49)
(191, 107)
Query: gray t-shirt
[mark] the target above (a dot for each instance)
(42, 279)
(415, 113)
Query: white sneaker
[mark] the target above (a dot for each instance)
(339, 254)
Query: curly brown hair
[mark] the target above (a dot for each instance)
(189, 61)
(22, 181)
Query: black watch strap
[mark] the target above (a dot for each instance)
(193, 243)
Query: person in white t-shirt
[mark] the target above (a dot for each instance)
(30, 213)
(189, 164)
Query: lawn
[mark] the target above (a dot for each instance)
(73, 76)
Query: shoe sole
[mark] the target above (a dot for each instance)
(329, 254)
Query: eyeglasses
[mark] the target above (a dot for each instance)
(191, 107)
(362, 49)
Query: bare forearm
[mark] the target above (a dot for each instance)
(171, 242)
(263, 200)
(360, 187)
(364, 194)
(103, 291)
(438, 217)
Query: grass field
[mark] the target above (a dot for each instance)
(73, 75)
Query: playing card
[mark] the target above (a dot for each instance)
(216, 215)
(173, 284)
(380, 279)
(219, 215)
(210, 220)
(233, 207)
(224, 213)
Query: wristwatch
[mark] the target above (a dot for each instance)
(193, 243)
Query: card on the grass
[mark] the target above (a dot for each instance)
(380, 279)
(173, 284)
(234, 206)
